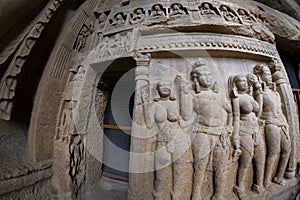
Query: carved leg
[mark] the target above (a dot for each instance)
(220, 164)
(259, 163)
(163, 166)
(272, 134)
(199, 169)
(284, 158)
(200, 147)
(183, 176)
(244, 163)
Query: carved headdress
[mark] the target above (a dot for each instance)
(200, 63)
(259, 71)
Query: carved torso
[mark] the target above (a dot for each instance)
(271, 106)
(209, 107)
(166, 116)
(247, 106)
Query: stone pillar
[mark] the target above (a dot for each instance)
(141, 165)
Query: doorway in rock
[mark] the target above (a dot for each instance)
(119, 82)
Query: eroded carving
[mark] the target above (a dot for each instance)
(68, 144)
(207, 9)
(157, 11)
(118, 19)
(246, 17)
(177, 10)
(117, 45)
(137, 16)
(276, 128)
(246, 132)
(228, 14)
(81, 38)
(101, 20)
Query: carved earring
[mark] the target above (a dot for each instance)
(215, 87)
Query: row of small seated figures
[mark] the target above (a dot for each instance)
(256, 130)
(176, 10)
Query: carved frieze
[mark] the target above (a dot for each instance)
(206, 42)
(188, 105)
(184, 14)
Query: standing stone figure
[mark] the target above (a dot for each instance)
(246, 134)
(81, 38)
(210, 134)
(276, 128)
(173, 162)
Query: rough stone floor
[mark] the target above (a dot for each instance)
(14, 159)
(107, 189)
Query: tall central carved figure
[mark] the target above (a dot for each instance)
(210, 142)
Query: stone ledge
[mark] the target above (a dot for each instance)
(22, 181)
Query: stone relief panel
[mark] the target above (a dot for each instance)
(116, 45)
(213, 119)
(69, 159)
(83, 34)
(182, 14)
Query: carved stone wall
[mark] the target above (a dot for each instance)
(214, 115)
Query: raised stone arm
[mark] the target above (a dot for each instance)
(147, 106)
(186, 102)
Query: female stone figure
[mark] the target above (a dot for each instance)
(276, 128)
(210, 134)
(246, 134)
(173, 162)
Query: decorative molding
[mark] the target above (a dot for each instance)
(9, 80)
(80, 21)
(205, 41)
(63, 58)
(190, 14)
